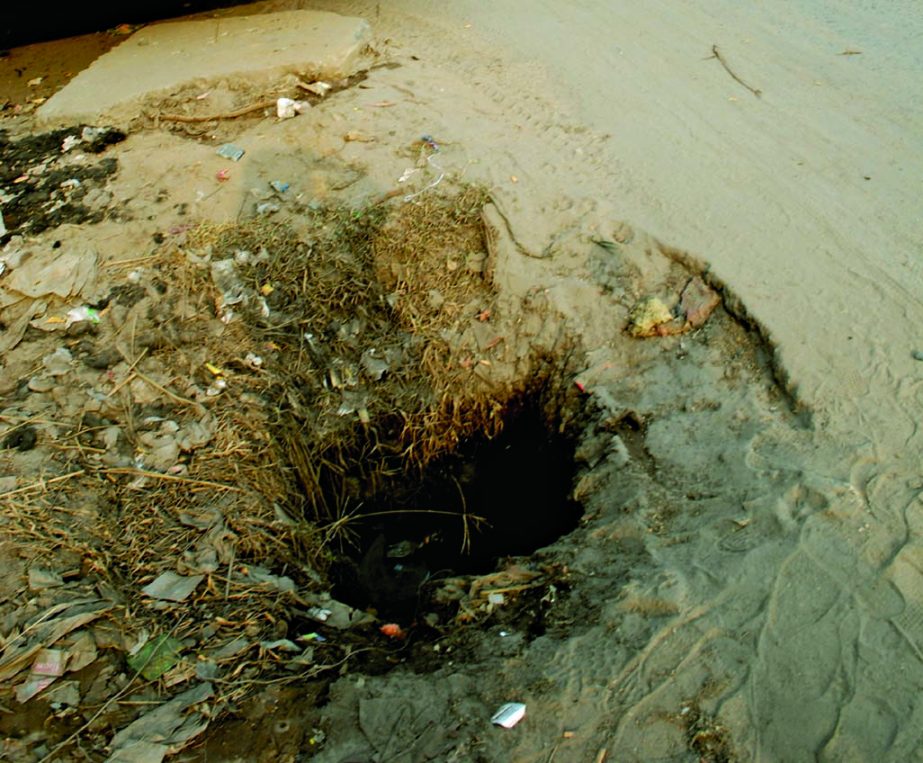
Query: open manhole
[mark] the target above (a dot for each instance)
(428, 442)
(491, 499)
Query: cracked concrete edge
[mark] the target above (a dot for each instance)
(260, 51)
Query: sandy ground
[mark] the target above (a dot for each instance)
(749, 579)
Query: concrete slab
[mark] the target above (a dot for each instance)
(159, 59)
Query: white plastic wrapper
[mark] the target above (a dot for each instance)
(509, 715)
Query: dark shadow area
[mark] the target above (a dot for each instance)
(492, 499)
(27, 23)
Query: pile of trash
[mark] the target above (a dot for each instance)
(189, 434)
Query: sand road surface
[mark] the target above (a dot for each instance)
(747, 580)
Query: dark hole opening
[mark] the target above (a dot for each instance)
(518, 483)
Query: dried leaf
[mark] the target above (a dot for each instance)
(163, 731)
(172, 587)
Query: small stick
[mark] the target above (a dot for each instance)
(210, 117)
(129, 376)
(41, 484)
(171, 395)
(227, 587)
(165, 477)
(386, 196)
(717, 54)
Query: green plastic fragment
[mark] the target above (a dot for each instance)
(156, 657)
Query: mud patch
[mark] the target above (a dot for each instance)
(47, 180)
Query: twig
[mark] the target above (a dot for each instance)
(129, 376)
(386, 196)
(165, 477)
(717, 54)
(211, 117)
(131, 261)
(171, 395)
(42, 484)
(227, 587)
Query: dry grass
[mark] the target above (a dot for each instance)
(363, 382)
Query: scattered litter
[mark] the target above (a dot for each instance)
(697, 303)
(81, 651)
(318, 88)
(156, 657)
(233, 292)
(230, 151)
(393, 630)
(172, 587)
(262, 576)
(35, 81)
(376, 367)
(282, 644)
(2, 233)
(165, 730)
(64, 694)
(253, 361)
(50, 662)
(279, 186)
(267, 208)
(407, 174)
(52, 272)
(338, 615)
(653, 317)
(223, 175)
(58, 363)
(429, 142)
(231, 649)
(48, 665)
(495, 599)
(84, 313)
(49, 629)
(40, 579)
(648, 316)
(509, 715)
(286, 108)
(319, 613)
